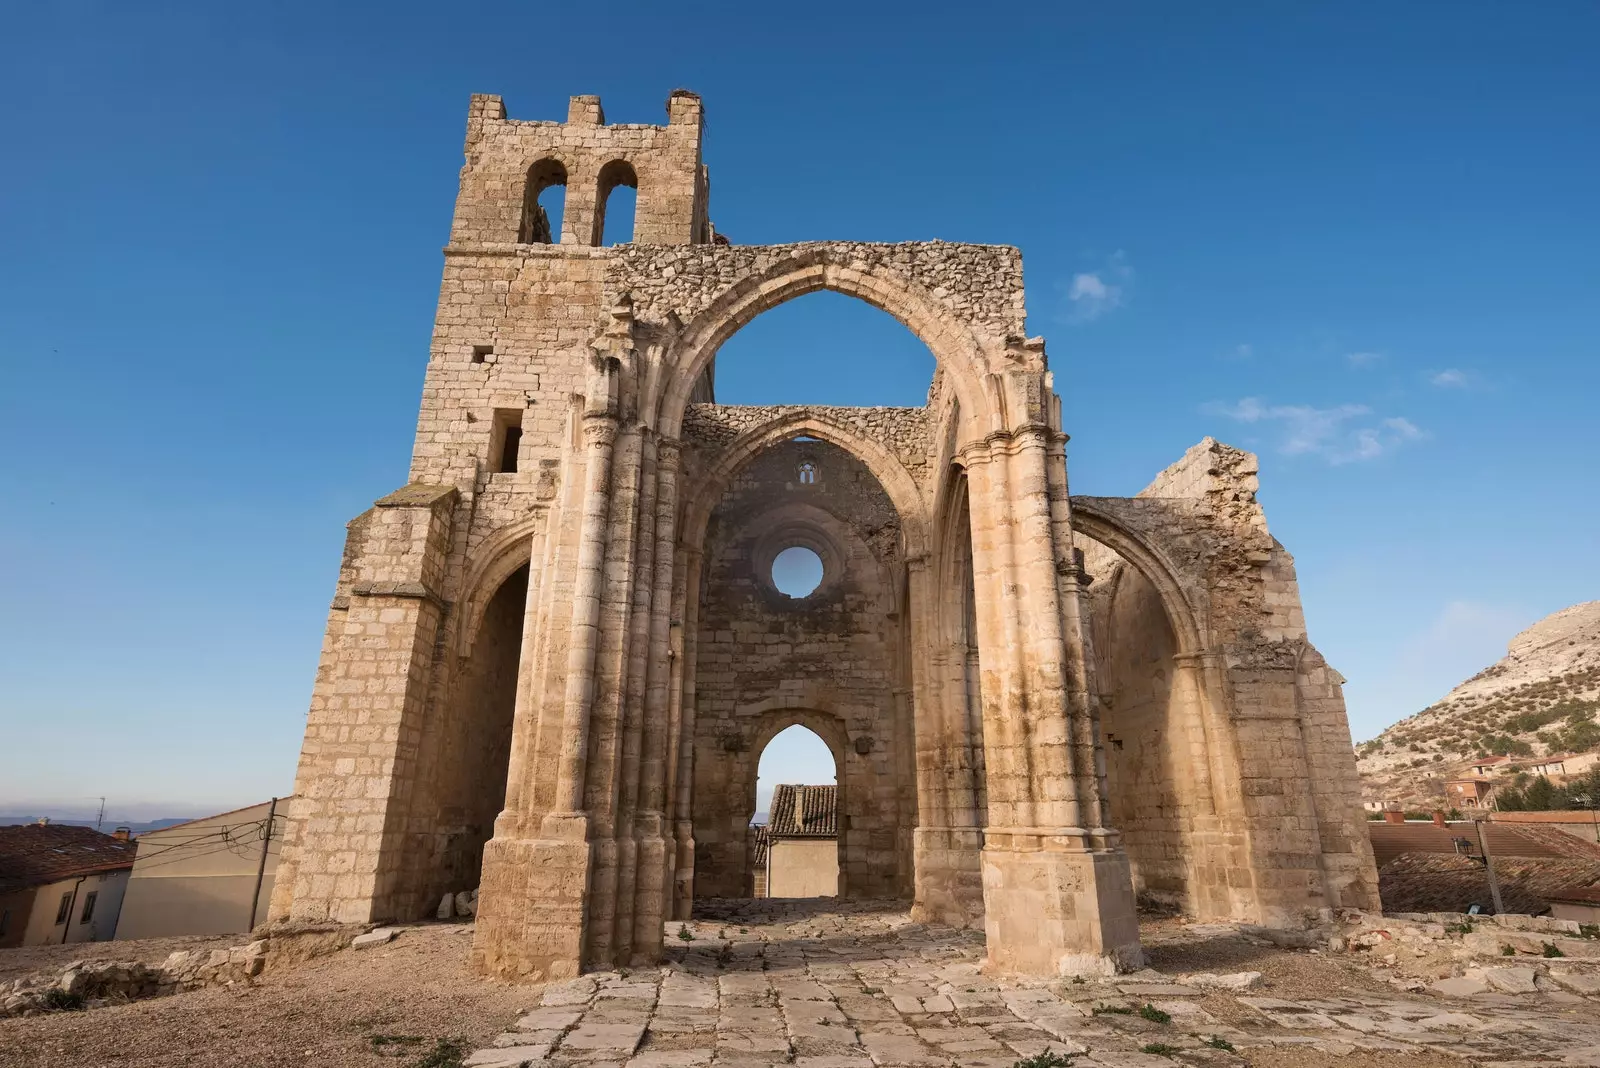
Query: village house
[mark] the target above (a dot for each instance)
(60, 883)
(212, 875)
(802, 842)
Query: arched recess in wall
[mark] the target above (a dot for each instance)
(1155, 730)
(470, 745)
(750, 644)
(543, 203)
(616, 204)
(795, 849)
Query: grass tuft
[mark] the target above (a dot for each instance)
(446, 1053)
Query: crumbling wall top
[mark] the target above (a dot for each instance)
(977, 284)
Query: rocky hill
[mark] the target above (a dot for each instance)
(1540, 698)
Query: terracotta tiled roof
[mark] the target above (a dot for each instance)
(804, 812)
(1390, 840)
(33, 854)
(1433, 882)
(1578, 895)
(758, 840)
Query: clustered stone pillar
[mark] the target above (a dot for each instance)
(1057, 887)
(583, 875)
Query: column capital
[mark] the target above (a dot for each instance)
(599, 428)
(669, 452)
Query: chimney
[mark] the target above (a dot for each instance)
(121, 834)
(1438, 817)
(1394, 815)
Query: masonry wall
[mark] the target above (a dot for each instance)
(803, 867)
(765, 660)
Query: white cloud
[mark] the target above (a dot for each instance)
(1342, 434)
(1092, 294)
(1449, 378)
(1363, 359)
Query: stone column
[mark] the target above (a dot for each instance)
(949, 836)
(684, 694)
(653, 886)
(1058, 900)
(533, 909)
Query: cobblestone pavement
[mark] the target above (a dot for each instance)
(830, 984)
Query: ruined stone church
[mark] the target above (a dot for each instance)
(554, 656)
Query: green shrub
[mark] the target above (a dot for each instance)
(1155, 1015)
(1161, 1048)
(58, 1000)
(1048, 1059)
(1218, 1042)
(1553, 950)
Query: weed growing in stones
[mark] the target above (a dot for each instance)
(58, 1000)
(1155, 1015)
(1048, 1059)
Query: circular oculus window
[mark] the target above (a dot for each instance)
(797, 572)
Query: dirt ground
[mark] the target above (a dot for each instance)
(325, 1011)
(389, 1006)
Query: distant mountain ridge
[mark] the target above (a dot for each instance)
(137, 827)
(1540, 699)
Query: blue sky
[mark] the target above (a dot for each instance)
(1357, 238)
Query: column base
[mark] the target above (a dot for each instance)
(1054, 911)
(683, 872)
(533, 904)
(650, 905)
(949, 876)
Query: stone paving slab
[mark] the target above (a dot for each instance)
(829, 984)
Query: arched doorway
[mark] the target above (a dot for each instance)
(795, 843)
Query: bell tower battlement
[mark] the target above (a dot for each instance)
(510, 162)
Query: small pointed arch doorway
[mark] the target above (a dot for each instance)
(794, 840)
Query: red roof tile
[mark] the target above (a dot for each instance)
(1390, 840)
(34, 854)
(804, 812)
